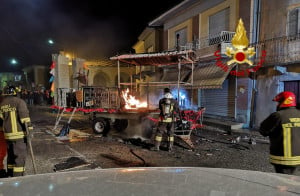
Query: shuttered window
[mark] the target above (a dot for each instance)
(217, 23)
(293, 22)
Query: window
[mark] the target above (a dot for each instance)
(293, 86)
(218, 22)
(293, 22)
(181, 37)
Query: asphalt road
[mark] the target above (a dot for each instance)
(86, 150)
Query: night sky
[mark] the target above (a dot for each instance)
(89, 28)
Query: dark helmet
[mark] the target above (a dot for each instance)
(167, 90)
(9, 90)
(285, 99)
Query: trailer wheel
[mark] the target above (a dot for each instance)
(101, 126)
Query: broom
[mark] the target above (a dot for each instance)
(66, 128)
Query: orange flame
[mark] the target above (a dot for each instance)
(131, 102)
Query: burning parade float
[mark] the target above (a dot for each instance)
(132, 109)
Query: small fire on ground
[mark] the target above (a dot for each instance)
(131, 102)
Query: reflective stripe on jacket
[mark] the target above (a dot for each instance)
(283, 129)
(14, 113)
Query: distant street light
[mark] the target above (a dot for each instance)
(13, 61)
(50, 41)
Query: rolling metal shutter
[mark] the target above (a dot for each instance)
(219, 102)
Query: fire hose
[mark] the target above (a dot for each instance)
(30, 147)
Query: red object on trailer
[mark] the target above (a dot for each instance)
(3, 149)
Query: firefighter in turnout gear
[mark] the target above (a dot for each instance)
(283, 129)
(169, 111)
(15, 115)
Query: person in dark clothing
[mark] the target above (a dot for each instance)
(169, 110)
(15, 116)
(3, 148)
(283, 129)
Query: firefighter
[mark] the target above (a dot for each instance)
(283, 129)
(3, 148)
(169, 111)
(15, 115)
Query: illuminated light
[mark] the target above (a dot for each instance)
(240, 56)
(16, 184)
(182, 96)
(132, 170)
(131, 102)
(50, 41)
(13, 61)
(51, 187)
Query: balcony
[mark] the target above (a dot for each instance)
(281, 50)
(206, 47)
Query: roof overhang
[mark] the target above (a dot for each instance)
(170, 13)
(157, 59)
(209, 76)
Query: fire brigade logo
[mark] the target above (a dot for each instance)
(240, 53)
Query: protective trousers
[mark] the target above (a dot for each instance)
(17, 151)
(169, 128)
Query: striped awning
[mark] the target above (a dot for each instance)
(209, 76)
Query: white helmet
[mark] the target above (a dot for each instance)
(168, 96)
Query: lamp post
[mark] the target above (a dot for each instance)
(13, 61)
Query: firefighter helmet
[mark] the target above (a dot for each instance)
(285, 99)
(167, 90)
(9, 90)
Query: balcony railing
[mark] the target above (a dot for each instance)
(223, 37)
(283, 50)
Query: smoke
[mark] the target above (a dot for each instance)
(89, 29)
(25, 27)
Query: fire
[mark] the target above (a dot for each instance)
(131, 102)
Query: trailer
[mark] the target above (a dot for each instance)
(109, 107)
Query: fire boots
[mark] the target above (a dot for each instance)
(156, 147)
(157, 143)
(170, 143)
(170, 146)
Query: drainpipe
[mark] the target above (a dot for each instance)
(255, 39)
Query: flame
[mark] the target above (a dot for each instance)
(240, 39)
(131, 102)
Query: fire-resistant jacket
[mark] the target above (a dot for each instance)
(174, 110)
(283, 129)
(15, 114)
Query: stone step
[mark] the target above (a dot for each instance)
(225, 125)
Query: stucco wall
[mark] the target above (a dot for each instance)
(243, 107)
(268, 87)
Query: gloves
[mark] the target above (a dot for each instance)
(29, 126)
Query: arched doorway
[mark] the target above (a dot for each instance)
(101, 79)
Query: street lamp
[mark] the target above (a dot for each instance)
(13, 61)
(50, 41)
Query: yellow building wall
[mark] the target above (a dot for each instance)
(171, 33)
(233, 16)
(139, 47)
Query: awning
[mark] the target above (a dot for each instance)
(208, 76)
(163, 58)
(171, 75)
